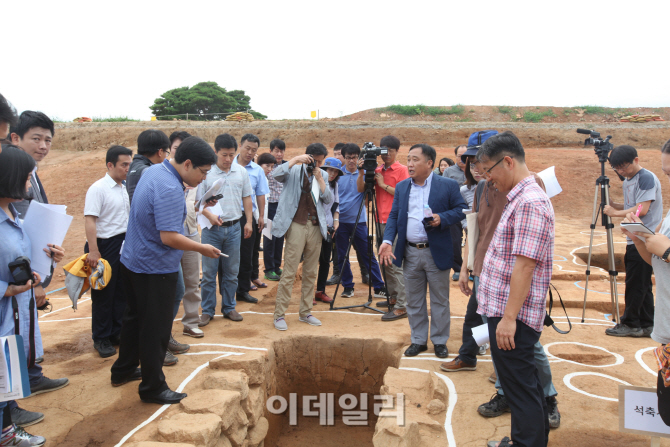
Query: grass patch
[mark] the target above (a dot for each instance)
(465, 119)
(598, 110)
(505, 109)
(537, 117)
(422, 109)
(112, 119)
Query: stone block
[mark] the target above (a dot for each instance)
(440, 390)
(256, 435)
(201, 430)
(159, 444)
(254, 404)
(253, 364)
(228, 380)
(222, 403)
(223, 442)
(436, 406)
(389, 434)
(237, 430)
(417, 386)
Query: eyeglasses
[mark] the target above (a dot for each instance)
(621, 168)
(487, 173)
(354, 158)
(203, 172)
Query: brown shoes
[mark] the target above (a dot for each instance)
(233, 315)
(321, 296)
(204, 320)
(193, 332)
(457, 365)
(395, 314)
(493, 378)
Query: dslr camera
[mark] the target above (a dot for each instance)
(330, 232)
(369, 154)
(310, 167)
(20, 270)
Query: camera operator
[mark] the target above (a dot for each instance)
(350, 201)
(16, 169)
(33, 134)
(387, 176)
(641, 190)
(301, 220)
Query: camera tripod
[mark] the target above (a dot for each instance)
(368, 196)
(603, 184)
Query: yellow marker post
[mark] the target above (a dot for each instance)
(153, 118)
(313, 113)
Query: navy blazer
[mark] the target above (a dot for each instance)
(444, 200)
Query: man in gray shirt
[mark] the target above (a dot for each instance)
(457, 172)
(225, 232)
(642, 191)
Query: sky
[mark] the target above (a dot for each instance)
(107, 59)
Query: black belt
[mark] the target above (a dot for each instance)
(420, 245)
(230, 223)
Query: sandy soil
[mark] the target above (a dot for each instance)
(90, 412)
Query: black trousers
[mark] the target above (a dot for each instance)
(639, 311)
(519, 378)
(108, 304)
(336, 263)
(324, 265)
(456, 241)
(147, 324)
(247, 248)
(272, 248)
(469, 348)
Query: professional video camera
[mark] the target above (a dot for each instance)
(369, 154)
(602, 147)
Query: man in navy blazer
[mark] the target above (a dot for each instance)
(424, 245)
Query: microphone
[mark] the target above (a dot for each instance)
(584, 131)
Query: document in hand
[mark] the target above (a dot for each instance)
(45, 224)
(551, 185)
(214, 190)
(635, 227)
(14, 382)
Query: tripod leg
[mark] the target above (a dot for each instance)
(610, 259)
(588, 262)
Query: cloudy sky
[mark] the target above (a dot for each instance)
(103, 59)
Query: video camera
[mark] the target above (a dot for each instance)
(369, 154)
(602, 147)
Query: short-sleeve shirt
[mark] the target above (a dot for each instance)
(275, 186)
(661, 332)
(328, 206)
(350, 198)
(259, 183)
(108, 201)
(526, 228)
(455, 173)
(393, 175)
(642, 187)
(158, 205)
(235, 187)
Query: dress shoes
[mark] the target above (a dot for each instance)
(441, 351)
(165, 397)
(233, 315)
(246, 298)
(414, 349)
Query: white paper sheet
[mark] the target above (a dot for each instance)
(481, 334)
(203, 221)
(5, 385)
(641, 412)
(551, 185)
(45, 224)
(214, 190)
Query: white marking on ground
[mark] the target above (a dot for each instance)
(638, 357)
(569, 377)
(619, 358)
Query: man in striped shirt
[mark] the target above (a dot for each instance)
(150, 260)
(514, 283)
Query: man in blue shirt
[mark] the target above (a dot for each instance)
(249, 247)
(350, 202)
(150, 264)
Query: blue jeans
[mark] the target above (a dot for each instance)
(181, 289)
(226, 239)
(361, 242)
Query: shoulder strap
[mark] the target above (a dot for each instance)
(548, 319)
(478, 192)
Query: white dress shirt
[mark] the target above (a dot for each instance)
(108, 201)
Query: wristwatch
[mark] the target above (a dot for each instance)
(665, 256)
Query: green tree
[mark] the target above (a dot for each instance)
(204, 101)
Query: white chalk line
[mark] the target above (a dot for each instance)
(69, 319)
(568, 378)
(452, 403)
(574, 257)
(63, 308)
(638, 357)
(212, 353)
(229, 346)
(619, 358)
(166, 406)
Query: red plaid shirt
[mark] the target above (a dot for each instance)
(526, 228)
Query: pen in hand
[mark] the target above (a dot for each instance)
(639, 208)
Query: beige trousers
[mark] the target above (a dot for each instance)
(299, 240)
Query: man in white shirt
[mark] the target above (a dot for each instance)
(106, 212)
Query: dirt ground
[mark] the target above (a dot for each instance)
(89, 412)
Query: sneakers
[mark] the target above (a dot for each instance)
(380, 293)
(493, 378)
(280, 324)
(193, 332)
(646, 331)
(204, 320)
(333, 280)
(395, 314)
(272, 276)
(310, 319)
(348, 292)
(16, 436)
(621, 330)
(457, 365)
(177, 348)
(104, 348)
(483, 348)
(495, 407)
(365, 278)
(455, 276)
(321, 296)
(170, 359)
(554, 414)
(46, 384)
(24, 418)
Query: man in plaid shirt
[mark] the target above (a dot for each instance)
(513, 285)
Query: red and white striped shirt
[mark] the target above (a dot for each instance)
(526, 228)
